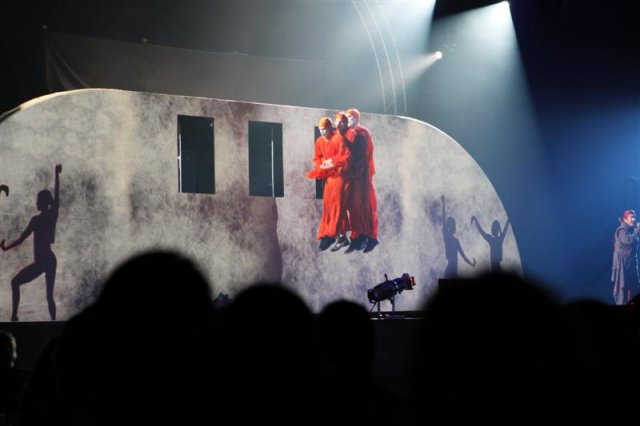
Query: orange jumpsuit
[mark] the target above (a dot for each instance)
(334, 219)
(362, 203)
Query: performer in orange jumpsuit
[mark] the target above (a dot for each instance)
(331, 161)
(362, 204)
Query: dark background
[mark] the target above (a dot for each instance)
(564, 175)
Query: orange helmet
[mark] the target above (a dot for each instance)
(325, 122)
(354, 112)
(341, 116)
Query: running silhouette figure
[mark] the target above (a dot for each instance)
(452, 245)
(43, 228)
(494, 240)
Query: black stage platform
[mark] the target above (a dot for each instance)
(394, 333)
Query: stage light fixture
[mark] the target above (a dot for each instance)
(388, 290)
(438, 55)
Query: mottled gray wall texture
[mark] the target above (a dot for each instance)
(119, 196)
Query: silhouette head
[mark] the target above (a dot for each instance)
(145, 340)
(270, 337)
(154, 287)
(347, 338)
(44, 200)
(488, 348)
(270, 359)
(495, 228)
(450, 225)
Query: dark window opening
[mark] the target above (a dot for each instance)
(265, 159)
(196, 171)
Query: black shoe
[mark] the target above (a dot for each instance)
(358, 244)
(371, 244)
(325, 243)
(342, 241)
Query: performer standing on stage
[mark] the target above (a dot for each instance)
(624, 272)
(331, 161)
(361, 194)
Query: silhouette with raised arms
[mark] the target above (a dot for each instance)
(452, 245)
(43, 228)
(495, 241)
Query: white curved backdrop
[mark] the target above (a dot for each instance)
(119, 196)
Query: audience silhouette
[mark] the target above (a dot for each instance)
(607, 342)
(270, 354)
(156, 349)
(13, 380)
(347, 348)
(137, 356)
(491, 351)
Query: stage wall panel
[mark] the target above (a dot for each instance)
(119, 196)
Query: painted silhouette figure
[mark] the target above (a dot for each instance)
(452, 245)
(5, 189)
(495, 241)
(43, 228)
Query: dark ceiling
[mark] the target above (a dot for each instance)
(553, 34)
